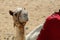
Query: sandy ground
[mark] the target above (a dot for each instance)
(38, 10)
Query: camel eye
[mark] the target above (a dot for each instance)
(16, 14)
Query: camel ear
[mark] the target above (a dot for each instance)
(11, 12)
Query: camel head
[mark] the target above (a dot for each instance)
(20, 15)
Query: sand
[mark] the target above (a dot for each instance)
(38, 11)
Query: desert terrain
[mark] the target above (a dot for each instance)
(38, 11)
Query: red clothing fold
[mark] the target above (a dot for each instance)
(51, 28)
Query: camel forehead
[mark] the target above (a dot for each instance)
(20, 9)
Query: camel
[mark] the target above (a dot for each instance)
(20, 18)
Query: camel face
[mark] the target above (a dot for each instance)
(19, 14)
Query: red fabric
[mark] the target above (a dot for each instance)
(51, 28)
